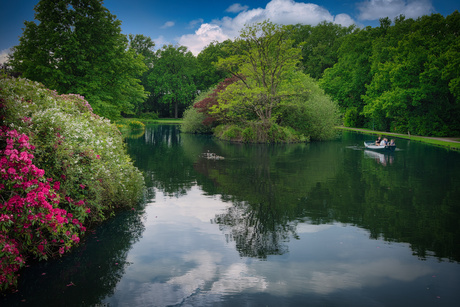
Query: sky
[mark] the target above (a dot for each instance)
(195, 24)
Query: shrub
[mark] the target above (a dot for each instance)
(249, 135)
(88, 173)
(135, 124)
(314, 115)
(233, 132)
(193, 122)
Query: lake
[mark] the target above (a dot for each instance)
(222, 224)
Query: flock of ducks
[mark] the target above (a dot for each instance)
(212, 156)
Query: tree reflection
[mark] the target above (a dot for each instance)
(411, 197)
(256, 230)
(273, 187)
(264, 184)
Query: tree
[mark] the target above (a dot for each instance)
(77, 47)
(263, 59)
(172, 77)
(409, 90)
(320, 45)
(144, 46)
(208, 74)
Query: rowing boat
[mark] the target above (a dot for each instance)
(371, 145)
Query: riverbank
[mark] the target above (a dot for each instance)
(161, 121)
(448, 142)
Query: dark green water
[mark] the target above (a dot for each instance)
(320, 224)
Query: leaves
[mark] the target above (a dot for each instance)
(77, 47)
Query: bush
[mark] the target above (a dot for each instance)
(193, 122)
(313, 115)
(249, 135)
(258, 132)
(66, 165)
(135, 124)
(233, 133)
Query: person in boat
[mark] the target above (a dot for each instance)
(392, 143)
(384, 142)
(377, 142)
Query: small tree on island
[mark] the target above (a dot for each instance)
(271, 99)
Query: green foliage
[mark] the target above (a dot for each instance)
(208, 75)
(259, 132)
(262, 58)
(232, 132)
(77, 47)
(195, 116)
(320, 45)
(171, 79)
(149, 115)
(82, 150)
(193, 122)
(135, 124)
(352, 118)
(249, 135)
(401, 77)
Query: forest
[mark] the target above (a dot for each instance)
(402, 76)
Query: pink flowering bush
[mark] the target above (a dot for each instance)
(63, 168)
(31, 223)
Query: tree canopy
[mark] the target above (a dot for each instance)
(402, 77)
(77, 47)
(255, 104)
(171, 79)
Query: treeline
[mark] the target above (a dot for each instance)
(402, 76)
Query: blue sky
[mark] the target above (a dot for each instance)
(196, 23)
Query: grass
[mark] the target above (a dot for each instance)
(450, 143)
(124, 121)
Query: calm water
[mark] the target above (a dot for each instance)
(321, 224)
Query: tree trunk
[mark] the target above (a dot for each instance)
(175, 109)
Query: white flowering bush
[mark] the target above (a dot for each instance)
(81, 155)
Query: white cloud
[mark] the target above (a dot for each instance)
(4, 55)
(206, 34)
(236, 8)
(375, 9)
(168, 24)
(344, 20)
(278, 11)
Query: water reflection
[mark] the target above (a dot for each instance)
(382, 158)
(407, 196)
(321, 223)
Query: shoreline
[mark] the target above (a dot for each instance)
(448, 142)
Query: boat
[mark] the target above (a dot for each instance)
(371, 145)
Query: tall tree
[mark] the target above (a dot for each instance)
(263, 59)
(144, 46)
(320, 45)
(172, 77)
(408, 90)
(208, 74)
(346, 80)
(77, 47)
